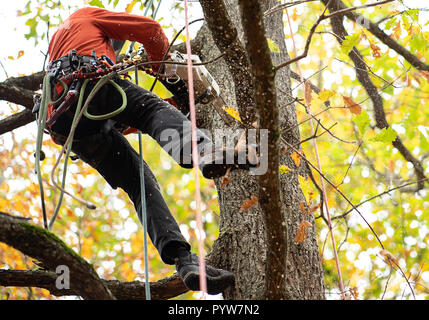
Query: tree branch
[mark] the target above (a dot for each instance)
(163, 289)
(15, 121)
(378, 104)
(380, 34)
(45, 247)
(263, 77)
(225, 36)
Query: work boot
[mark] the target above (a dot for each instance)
(214, 164)
(217, 279)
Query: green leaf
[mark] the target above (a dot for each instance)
(350, 42)
(390, 24)
(386, 135)
(273, 46)
(362, 121)
(96, 3)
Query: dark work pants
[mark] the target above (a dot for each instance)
(104, 148)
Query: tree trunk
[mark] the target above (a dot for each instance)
(242, 244)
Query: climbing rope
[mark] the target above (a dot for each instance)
(195, 154)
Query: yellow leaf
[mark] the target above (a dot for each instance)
(233, 113)
(325, 95)
(130, 6)
(354, 107)
(302, 231)
(283, 169)
(296, 157)
(20, 54)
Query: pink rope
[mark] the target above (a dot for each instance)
(322, 182)
(195, 156)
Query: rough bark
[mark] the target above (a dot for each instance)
(242, 244)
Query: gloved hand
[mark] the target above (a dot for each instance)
(180, 94)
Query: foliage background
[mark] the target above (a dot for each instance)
(362, 164)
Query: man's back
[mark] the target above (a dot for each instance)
(90, 29)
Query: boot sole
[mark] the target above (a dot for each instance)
(215, 285)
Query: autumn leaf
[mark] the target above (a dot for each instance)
(307, 93)
(397, 31)
(354, 107)
(233, 113)
(389, 256)
(225, 179)
(302, 231)
(296, 157)
(249, 203)
(273, 46)
(283, 169)
(130, 6)
(295, 15)
(302, 207)
(375, 51)
(313, 208)
(325, 95)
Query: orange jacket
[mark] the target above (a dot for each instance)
(91, 28)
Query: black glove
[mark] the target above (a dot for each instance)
(180, 94)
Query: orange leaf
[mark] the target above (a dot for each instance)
(302, 207)
(249, 203)
(375, 51)
(295, 15)
(302, 231)
(354, 107)
(296, 157)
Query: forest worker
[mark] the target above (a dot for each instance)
(79, 42)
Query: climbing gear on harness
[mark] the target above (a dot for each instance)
(79, 68)
(217, 279)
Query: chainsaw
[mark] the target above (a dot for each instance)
(205, 86)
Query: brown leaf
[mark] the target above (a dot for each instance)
(225, 179)
(307, 93)
(389, 256)
(313, 208)
(302, 231)
(354, 292)
(249, 203)
(354, 107)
